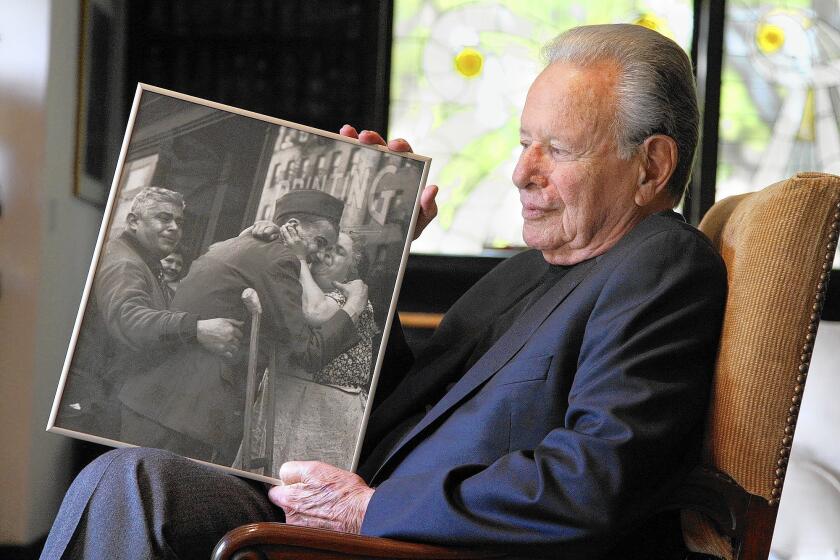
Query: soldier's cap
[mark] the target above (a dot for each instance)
(309, 201)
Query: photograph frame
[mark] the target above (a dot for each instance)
(381, 213)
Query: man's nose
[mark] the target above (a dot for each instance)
(529, 168)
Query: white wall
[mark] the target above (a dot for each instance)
(24, 32)
(808, 525)
(46, 241)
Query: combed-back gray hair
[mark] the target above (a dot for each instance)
(150, 197)
(655, 90)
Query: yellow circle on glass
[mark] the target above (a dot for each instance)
(769, 37)
(651, 22)
(468, 62)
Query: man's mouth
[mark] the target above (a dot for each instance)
(530, 212)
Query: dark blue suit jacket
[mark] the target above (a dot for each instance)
(570, 428)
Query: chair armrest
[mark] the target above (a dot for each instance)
(278, 541)
(715, 495)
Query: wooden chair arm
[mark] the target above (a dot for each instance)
(278, 541)
(716, 496)
(744, 518)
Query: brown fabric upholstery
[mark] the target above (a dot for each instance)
(777, 244)
(703, 537)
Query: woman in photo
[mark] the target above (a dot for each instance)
(319, 418)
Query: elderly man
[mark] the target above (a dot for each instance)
(563, 395)
(127, 324)
(192, 403)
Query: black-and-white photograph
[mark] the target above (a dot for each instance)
(245, 273)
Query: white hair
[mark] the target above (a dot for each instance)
(655, 91)
(151, 197)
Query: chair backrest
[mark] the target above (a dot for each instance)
(778, 245)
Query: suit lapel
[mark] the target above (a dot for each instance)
(431, 372)
(500, 353)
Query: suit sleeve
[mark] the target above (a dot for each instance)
(123, 295)
(310, 347)
(639, 391)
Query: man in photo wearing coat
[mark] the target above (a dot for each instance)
(127, 324)
(193, 402)
(562, 396)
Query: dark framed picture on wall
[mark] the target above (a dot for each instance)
(99, 108)
(245, 277)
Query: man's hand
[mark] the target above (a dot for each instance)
(291, 239)
(220, 336)
(428, 207)
(316, 494)
(265, 230)
(356, 293)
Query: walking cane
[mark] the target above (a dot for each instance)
(252, 303)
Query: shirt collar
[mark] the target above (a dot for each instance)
(148, 258)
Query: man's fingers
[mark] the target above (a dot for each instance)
(427, 201)
(371, 137)
(286, 497)
(428, 209)
(399, 145)
(292, 472)
(349, 131)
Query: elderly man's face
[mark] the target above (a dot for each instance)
(576, 193)
(319, 236)
(158, 229)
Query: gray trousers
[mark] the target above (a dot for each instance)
(147, 503)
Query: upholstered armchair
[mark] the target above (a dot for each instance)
(778, 244)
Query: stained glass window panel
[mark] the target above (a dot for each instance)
(460, 70)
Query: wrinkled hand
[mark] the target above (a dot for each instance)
(356, 293)
(265, 230)
(220, 336)
(291, 238)
(428, 206)
(316, 494)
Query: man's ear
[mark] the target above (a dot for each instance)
(132, 219)
(293, 222)
(659, 161)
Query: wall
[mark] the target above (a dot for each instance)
(24, 32)
(809, 512)
(47, 238)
